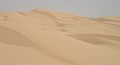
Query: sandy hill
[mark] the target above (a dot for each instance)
(42, 37)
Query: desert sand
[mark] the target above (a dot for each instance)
(42, 37)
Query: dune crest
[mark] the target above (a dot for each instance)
(42, 37)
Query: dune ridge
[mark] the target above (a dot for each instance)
(42, 37)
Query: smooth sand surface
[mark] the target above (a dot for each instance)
(42, 37)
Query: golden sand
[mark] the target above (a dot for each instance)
(42, 37)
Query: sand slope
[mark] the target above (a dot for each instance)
(42, 37)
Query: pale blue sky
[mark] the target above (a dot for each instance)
(90, 8)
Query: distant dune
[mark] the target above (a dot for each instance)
(42, 37)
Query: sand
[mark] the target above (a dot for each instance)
(42, 37)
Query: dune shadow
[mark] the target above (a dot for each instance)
(99, 39)
(11, 36)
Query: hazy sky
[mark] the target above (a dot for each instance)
(90, 8)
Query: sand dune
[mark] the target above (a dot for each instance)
(42, 37)
(100, 39)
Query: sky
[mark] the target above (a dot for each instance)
(88, 8)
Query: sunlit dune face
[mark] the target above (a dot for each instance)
(41, 37)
